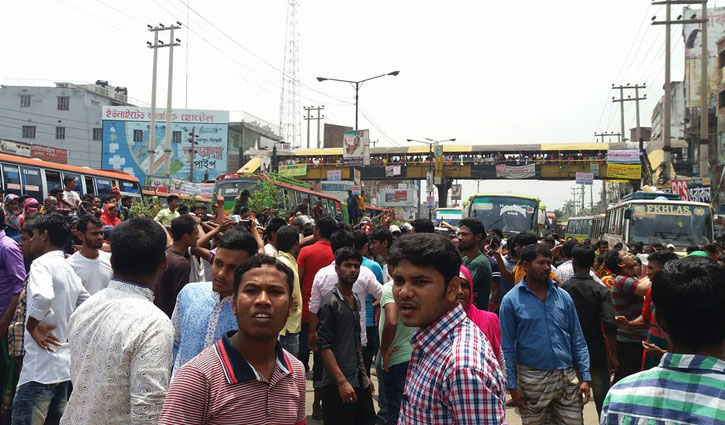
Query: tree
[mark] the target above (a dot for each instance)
(266, 194)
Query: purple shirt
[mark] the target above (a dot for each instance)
(12, 270)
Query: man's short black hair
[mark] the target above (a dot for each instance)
(662, 257)
(245, 192)
(171, 198)
(341, 239)
(273, 225)
(360, 239)
(125, 198)
(382, 234)
(583, 255)
(474, 225)
(239, 241)
(138, 247)
(427, 249)
(327, 226)
(68, 179)
(57, 226)
(260, 260)
(567, 247)
(498, 232)
(601, 243)
(689, 294)
(524, 239)
(530, 252)
(423, 225)
(692, 248)
(181, 226)
(611, 260)
(83, 222)
(55, 191)
(287, 237)
(347, 253)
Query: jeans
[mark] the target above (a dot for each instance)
(394, 381)
(304, 350)
(39, 404)
(372, 348)
(291, 343)
(382, 417)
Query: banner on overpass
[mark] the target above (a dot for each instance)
(624, 156)
(624, 171)
(516, 172)
(392, 170)
(585, 178)
(294, 170)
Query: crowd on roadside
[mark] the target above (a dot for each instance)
(197, 318)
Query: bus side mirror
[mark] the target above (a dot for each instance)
(628, 214)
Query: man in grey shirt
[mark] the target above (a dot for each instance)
(347, 390)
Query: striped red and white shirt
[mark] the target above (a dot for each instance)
(219, 387)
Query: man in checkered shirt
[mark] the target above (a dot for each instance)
(453, 375)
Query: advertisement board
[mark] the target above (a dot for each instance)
(179, 187)
(356, 147)
(49, 153)
(126, 142)
(396, 198)
(293, 170)
(695, 190)
(585, 178)
(334, 175)
(456, 191)
(516, 172)
(624, 171)
(15, 148)
(624, 156)
(692, 35)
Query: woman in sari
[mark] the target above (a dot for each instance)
(110, 215)
(13, 216)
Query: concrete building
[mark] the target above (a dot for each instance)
(66, 116)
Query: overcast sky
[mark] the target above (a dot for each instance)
(483, 72)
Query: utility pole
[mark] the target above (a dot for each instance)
(309, 117)
(704, 99)
(608, 135)
(320, 117)
(192, 154)
(621, 101)
(152, 125)
(666, 108)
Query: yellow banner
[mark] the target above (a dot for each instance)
(624, 171)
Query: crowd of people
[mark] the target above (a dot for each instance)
(191, 318)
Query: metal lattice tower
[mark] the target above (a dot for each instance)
(290, 122)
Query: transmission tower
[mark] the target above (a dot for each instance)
(290, 122)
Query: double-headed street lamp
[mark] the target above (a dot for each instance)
(430, 142)
(356, 85)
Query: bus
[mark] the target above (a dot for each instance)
(659, 218)
(509, 212)
(597, 227)
(451, 216)
(34, 177)
(579, 228)
(229, 186)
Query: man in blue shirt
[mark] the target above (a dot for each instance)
(547, 362)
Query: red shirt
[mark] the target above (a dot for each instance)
(312, 258)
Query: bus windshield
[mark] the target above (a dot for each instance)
(510, 214)
(451, 216)
(230, 189)
(677, 224)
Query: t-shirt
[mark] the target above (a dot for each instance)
(629, 305)
(402, 332)
(655, 334)
(312, 258)
(94, 273)
(369, 300)
(480, 269)
(71, 196)
(175, 277)
(165, 216)
(360, 202)
(270, 250)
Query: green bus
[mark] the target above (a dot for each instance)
(512, 213)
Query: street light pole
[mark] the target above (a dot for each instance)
(431, 143)
(356, 85)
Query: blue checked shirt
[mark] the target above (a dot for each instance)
(453, 376)
(540, 335)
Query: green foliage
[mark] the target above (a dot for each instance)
(266, 194)
(152, 207)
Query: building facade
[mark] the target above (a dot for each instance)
(66, 116)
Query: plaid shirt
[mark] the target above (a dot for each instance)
(16, 330)
(453, 376)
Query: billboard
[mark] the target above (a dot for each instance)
(126, 141)
(396, 198)
(624, 171)
(515, 172)
(695, 190)
(692, 35)
(15, 148)
(585, 178)
(356, 147)
(293, 170)
(49, 153)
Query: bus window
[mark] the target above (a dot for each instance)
(103, 186)
(52, 180)
(79, 186)
(90, 188)
(32, 183)
(11, 177)
(129, 187)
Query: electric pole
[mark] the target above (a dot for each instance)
(704, 98)
(608, 135)
(152, 125)
(309, 118)
(666, 108)
(621, 101)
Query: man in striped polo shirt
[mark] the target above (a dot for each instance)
(246, 377)
(627, 298)
(688, 386)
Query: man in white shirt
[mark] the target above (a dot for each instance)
(271, 248)
(566, 269)
(70, 196)
(54, 291)
(120, 342)
(91, 264)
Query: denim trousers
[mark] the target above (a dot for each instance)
(394, 383)
(291, 343)
(38, 404)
